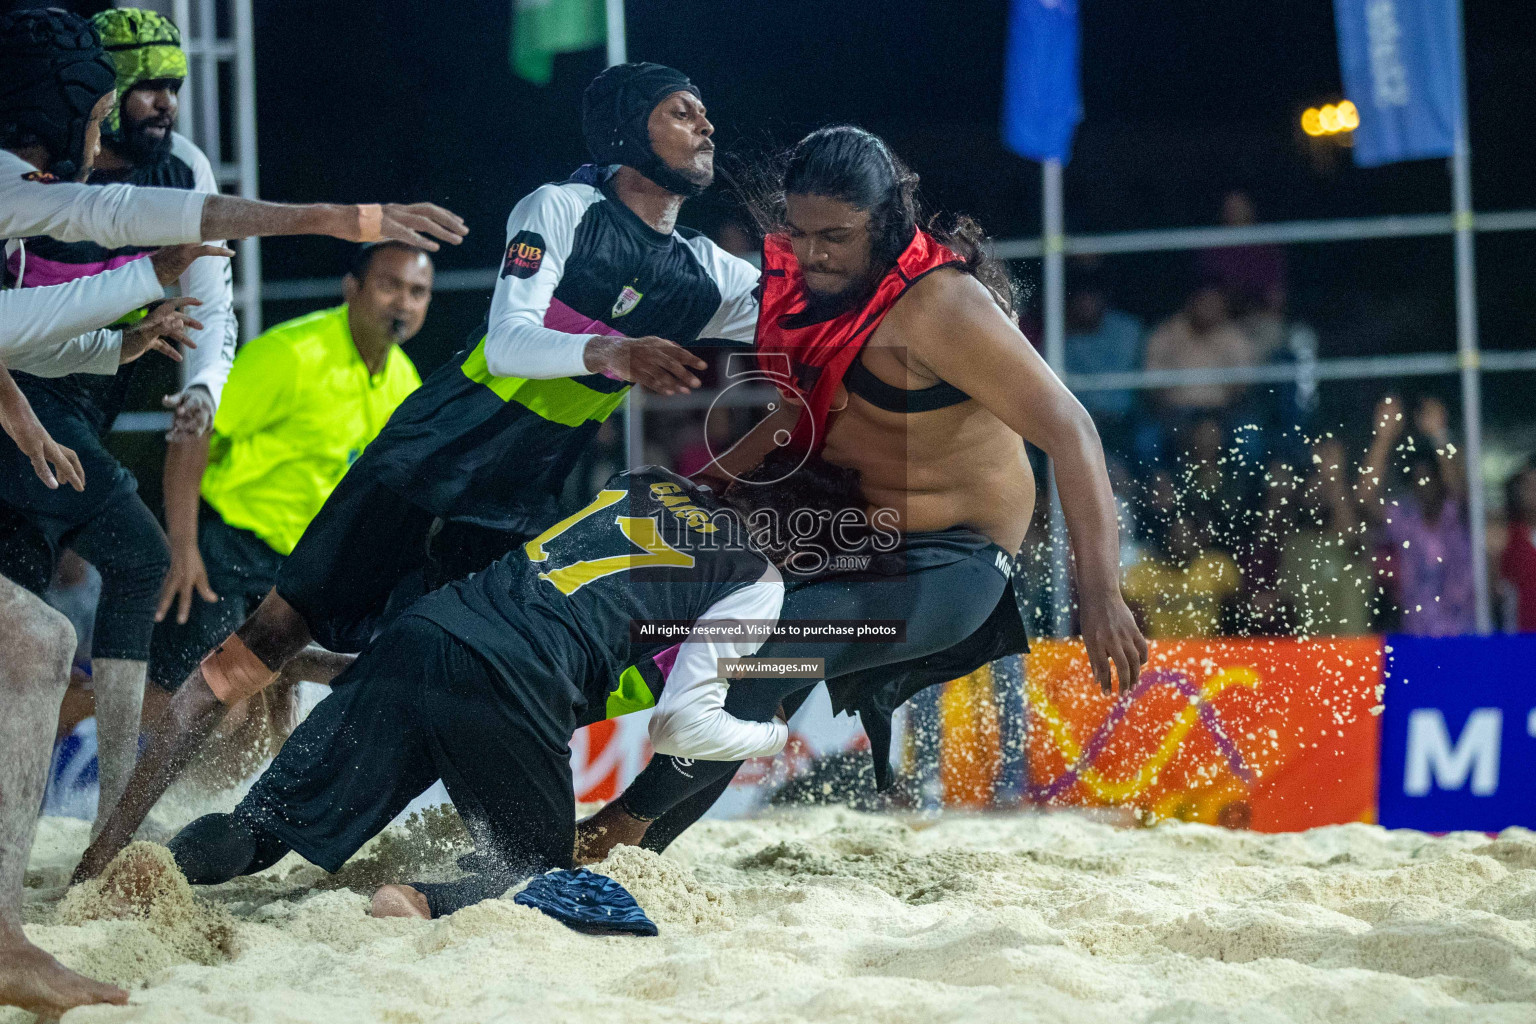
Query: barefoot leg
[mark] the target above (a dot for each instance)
(119, 685)
(612, 826)
(274, 633)
(38, 643)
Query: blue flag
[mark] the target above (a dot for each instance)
(1402, 68)
(1042, 100)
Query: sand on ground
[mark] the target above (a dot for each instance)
(830, 915)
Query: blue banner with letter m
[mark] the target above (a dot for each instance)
(1042, 100)
(1458, 737)
(1401, 61)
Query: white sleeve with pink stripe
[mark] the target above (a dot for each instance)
(540, 234)
(52, 331)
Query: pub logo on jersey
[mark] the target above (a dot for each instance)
(628, 299)
(525, 254)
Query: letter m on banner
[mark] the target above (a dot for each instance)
(1431, 753)
(1401, 61)
(1458, 736)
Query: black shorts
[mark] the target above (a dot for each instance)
(107, 524)
(419, 706)
(241, 570)
(369, 553)
(948, 585)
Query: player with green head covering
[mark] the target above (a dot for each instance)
(145, 47)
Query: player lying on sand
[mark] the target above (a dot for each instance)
(483, 683)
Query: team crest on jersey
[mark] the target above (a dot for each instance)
(525, 254)
(41, 177)
(629, 298)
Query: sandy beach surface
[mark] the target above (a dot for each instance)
(830, 915)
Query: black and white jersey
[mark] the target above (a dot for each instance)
(490, 437)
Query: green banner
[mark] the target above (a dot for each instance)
(543, 28)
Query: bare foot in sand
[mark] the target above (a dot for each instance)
(35, 981)
(612, 826)
(400, 901)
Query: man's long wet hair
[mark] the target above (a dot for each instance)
(856, 167)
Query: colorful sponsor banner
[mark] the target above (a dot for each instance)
(1272, 734)
(1458, 744)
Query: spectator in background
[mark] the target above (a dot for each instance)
(1101, 339)
(1517, 567)
(1180, 591)
(1201, 336)
(1323, 569)
(1258, 542)
(1251, 277)
(1423, 522)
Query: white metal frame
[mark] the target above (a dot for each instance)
(202, 119)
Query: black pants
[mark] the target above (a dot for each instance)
(370, 552)
(419, 706)
(107, 524)
(941, 605)
(241, 570)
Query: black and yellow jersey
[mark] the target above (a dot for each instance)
(651, 547)
(491, 436)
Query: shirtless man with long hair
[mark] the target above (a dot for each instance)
(907, 365)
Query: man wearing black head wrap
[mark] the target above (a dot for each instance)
(55, 75)
(598, 288)
(616, 114)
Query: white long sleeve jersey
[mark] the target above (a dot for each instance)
(55, 332)
(579, 263)
(51, 260)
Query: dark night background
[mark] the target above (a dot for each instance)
(396, 100)
(413, 100)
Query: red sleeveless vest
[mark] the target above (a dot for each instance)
(807, 363)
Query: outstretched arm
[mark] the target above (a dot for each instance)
(185, 723)
(962, 337)
(754, 447)
(118, 215)
(414, 223)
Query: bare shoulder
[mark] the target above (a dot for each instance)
(945, 292)
(950, 304)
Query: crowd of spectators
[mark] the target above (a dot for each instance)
(1246, 517)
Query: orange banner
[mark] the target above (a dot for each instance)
(1273, 734)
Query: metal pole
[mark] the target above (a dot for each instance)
(1467, 343)
(618, 44)
(634, 404)
(1053, 223)
(245, 127)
